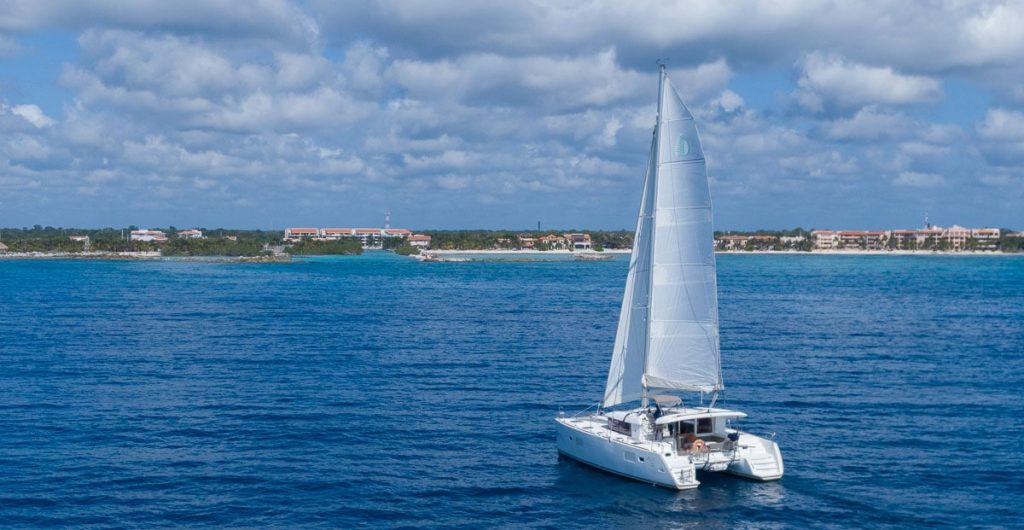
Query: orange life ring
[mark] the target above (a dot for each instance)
(698, 445)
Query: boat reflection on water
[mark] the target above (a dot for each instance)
(634, 504)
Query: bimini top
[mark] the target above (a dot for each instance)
(694, 414)
(667, 401)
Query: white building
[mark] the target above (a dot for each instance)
(334, 234)
(579, 241)
(190, 234)
(986, 238)
(366, 236)
(420, 240)
(148, 235)
(825, 239)
(297, 234)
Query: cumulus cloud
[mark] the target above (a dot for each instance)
(538, 111)
(869, 123)
(279, 20)
(33, 115)
(1002, 124)
(833, 79)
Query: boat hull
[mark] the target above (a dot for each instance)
(624, 459)
(589, 441)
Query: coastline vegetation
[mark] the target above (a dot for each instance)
(250, 243)
(212, 247)
(217, 241)
(510, 240)
(406, 250)
(340, 247)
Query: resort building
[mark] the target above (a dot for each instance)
(731, 242)
(420, 241)
(862, 239)
(985, 238)
(296, 234)
(825, 239)
(579, 241)
(337, 233)
(155, 236)
(3, 247)
(904, 239)
(955, 238)
(526, 241)
(190, 234)
(553, 242)
(928, 237)
(741, 241)
(368, 237)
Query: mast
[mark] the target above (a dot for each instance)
(650, 272)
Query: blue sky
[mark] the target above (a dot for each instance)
(499, 115)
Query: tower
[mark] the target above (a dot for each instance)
(387, 218)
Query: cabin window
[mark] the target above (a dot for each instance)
(705, 426)
(620, 427)
(685, 427)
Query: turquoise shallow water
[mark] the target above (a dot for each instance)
(377, 391)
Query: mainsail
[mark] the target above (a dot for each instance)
(667, 337)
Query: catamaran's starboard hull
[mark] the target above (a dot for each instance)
(624, 459)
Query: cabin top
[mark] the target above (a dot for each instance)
(692, 413)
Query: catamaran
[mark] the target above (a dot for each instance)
(667, 342)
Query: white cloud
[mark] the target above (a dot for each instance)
(834, 79)
(992, 35)
(611, 129)
(912, 179)
(1002, 124)
(869, 123)
(33, 115)
(218, 106)
(729, 101)
(260, 19)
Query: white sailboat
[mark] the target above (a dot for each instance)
(667, 339)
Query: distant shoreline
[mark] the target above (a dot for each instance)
(528, 252)
(156, 256)
(875, 252)
(138, 256)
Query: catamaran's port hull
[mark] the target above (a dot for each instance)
(624, 459)
(606, 470)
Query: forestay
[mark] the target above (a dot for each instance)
(625, 376)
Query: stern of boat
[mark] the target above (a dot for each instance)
(759, 459)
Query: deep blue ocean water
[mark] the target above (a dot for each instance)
(377, 391)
